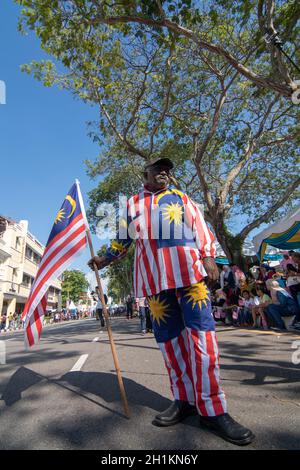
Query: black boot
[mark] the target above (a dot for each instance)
(225, 427)
(178, 411)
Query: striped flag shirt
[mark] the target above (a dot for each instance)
(171, 237)
(66, 241)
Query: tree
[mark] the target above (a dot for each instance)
(61, 24)
(192, 82)
(73, 285)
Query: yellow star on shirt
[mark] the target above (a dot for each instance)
(173, 213)
(198, 294)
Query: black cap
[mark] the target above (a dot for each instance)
(158, 161)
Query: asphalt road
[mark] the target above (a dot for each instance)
(63, 393)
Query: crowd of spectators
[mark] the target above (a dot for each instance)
(13, 321)
(264, 297)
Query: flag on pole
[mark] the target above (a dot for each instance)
(66, 241)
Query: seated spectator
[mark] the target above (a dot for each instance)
(281, 305)
(218, 302)
(240, 278)
(259, 307)
(262, 274)
(286, 260)
(254, 272)
(250, 279)
(245, 314)
(296, 260)
(227, 277)
(270, 273)
(293, 281)
(228, 283)
(278, 276)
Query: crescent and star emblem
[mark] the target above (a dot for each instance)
(62, 214)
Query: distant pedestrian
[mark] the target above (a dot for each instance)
(148, 317)
(141, 303)
(129, 306)
(3, 323)
(99, 307)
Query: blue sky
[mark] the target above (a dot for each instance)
(43, 137)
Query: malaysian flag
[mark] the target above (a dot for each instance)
(66, 241)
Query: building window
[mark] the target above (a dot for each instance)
(18, 243)
(27, 280)
(28, 253)
(32, 255)
(36, 258)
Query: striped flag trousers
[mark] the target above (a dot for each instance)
(192, 362)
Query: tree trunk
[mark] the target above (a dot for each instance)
(232, 245)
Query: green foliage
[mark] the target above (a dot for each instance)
(73, 285)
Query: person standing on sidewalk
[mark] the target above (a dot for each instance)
(148, 317)
(141, 304)
(99, 307)
(129, 306)
(174, 254)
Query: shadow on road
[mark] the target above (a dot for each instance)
(105, 386)
(20, 381)
(100, 384)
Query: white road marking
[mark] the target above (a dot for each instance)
(95, 339)
(79, 363)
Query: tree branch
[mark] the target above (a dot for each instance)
(123, 139)
(268, 214)
(285, 89)
(281, 140)
(166, 104)
(161, 10)
(136, 107)
(202, 148)
(205, 187)
(234, 172)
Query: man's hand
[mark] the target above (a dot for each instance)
(100, 261)
(211, 268)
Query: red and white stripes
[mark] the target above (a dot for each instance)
(172, 265)
(59, 253)
(192, 361)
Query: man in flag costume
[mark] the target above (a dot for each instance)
(174, 253)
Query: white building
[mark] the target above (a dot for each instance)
(20, 255)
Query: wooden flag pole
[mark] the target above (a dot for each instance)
(109, 330)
